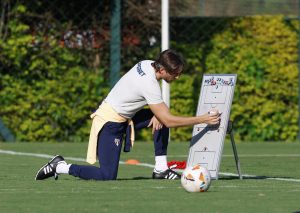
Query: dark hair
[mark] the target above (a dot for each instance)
(171, 61)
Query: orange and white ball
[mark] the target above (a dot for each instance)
(196, 179)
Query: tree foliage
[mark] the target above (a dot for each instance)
(48, 91)
(46, 94)
(262, 50)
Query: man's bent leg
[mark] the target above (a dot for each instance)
(161, 169)
(109, 150)
(160, 138)
(161, 141)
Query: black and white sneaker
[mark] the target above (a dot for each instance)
(49, 169)
(167, 174)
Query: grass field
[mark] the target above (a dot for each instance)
(273, 187)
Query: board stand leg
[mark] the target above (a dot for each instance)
(237, 161)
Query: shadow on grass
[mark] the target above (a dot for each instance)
(136, 178)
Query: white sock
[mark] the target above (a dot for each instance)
(161, 163)
(63, 168)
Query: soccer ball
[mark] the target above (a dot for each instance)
(195, 179)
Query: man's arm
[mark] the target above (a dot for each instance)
(163, 114)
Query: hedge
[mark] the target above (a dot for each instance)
(48, 92)
(263, 52)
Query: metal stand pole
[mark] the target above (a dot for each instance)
(237, 161)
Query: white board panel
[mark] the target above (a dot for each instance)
(206, 146)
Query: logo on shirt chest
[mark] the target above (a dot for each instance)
(139, 69)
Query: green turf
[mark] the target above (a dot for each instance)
(134, 191)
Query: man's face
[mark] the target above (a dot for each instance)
(170, 77)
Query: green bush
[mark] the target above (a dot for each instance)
(183, 104)
(46, 94)
(262, 50)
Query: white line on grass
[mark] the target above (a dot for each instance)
(9, 152)
(265, 155)
(249, 155)
(260, 177)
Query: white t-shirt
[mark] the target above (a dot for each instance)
(137, 88)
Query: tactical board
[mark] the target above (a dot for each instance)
(206, 146)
